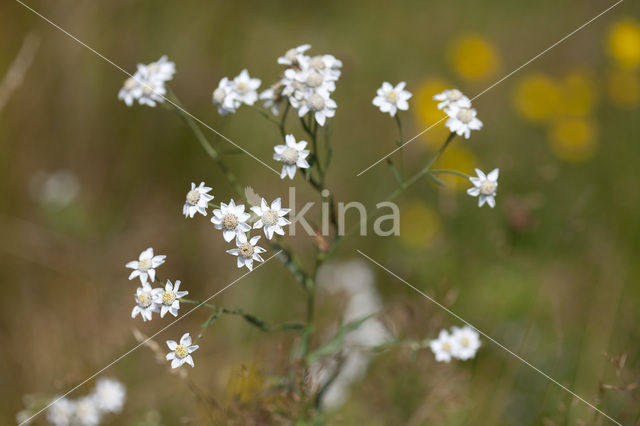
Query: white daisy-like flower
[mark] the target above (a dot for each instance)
(61, 412)
(312, 79)
(145, 303)
(443, 347)
(161, 70)
(272, 97)
(197, 200)
(291, 56)
(225, 98)
(318, 103)
(86, 412)
(451, 97)
(484, 187)
(271, 218)
(467, 342)
(245, 88)
(169, 298)
(231, 219)
(247, 251)
(131, 89)
(462, 119)
(292, 155)
(109, 395)
(328, 65)
(391, 99)
(181, 353)
(145, 266)
(147, 84)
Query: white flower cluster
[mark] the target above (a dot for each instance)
(462, 117)
(147, 84)
(231, 94)
(107, 397)
(148, 299)
(306, 83)
(236, 224)
(461, 343)
(390, 99)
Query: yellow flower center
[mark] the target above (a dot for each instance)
(130, 84)
(314, 79)
(290, 156)
(242, 87)
(317, 63)
(487, 187)
(168, 297)
(144, 300)
(193, 197)
(465, 115)
(454, 95)
(181, 351)
(316, 102)
(148, 88)
(230, 222)
(270, 217)
(446, 346)
(144, 265)
(246, 250)
(392, 96)
(464, 341)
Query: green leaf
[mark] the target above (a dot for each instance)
(336, 343)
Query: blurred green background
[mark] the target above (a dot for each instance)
(551, 272)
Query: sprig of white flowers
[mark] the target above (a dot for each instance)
(462, 343)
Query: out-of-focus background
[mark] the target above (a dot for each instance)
(87, 183)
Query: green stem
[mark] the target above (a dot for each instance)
(250, 318)
(206, 145)
(449, 172)
(399, 143)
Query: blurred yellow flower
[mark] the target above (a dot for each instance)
(244, 383)
(623, 87)
(474, 58)
(624, 42)
(419, 224)
(459, 158)
(537, 97)
(573, 139)
(579, 95)
(427, 112)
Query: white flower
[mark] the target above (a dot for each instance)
(247, 251)
(391, 99)
(443, 347)
(271, 218)
(61, 412)
(231, 219)
(86, 412)
(162, 70)
(272, 98)
(147, 84)
(467, 342)
(109, 395)
(168, 298)
(292, 155)
(318, 103)
(485, 187)
(224, 97)
(145, 304)
(180, 353)
(462, 119)
(197, 200)
(291, 56)
(451, 97)
(245, 88)
(328, 65)
(145, 266)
